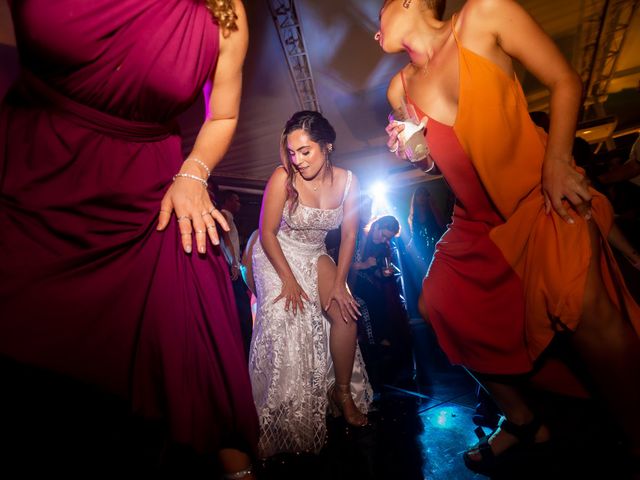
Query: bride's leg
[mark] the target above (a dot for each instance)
(342, 343)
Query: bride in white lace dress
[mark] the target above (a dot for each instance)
(304, 349)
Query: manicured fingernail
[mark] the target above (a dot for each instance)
(571, 221)
(202, 250)
(187, 249)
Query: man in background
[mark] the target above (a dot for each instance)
(229, 206)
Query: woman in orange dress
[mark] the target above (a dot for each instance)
(525, 256)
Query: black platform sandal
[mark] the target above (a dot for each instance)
(489, 461)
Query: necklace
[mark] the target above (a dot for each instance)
(317, 180)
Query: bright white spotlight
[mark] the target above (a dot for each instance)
(380, 204)
(378, 189)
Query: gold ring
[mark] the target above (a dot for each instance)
(213, 209)
(164, 211)
(211, 227)
(200, 231)
(183, 217)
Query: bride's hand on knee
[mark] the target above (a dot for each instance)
(349, 309)
(293, 294)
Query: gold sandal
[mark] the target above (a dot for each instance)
(339, 396)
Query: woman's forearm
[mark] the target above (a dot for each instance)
(345, 257)
(566, 94)
(213, 141)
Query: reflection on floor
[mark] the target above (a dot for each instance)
(53, 425)
(420, 432)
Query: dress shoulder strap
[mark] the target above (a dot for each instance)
(346, 187)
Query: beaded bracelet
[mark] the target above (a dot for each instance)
(192, 177)
(201, 163)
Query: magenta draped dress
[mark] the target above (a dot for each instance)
(88, 147)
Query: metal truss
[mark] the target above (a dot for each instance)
(286, 21)
(603, 28)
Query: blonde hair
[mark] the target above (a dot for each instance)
(224, 14)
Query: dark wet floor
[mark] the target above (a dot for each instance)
(419, 431)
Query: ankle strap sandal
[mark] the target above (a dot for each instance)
(489, 461)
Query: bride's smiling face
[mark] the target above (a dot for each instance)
(305, 155)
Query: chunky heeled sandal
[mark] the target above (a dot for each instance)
(339, 395)
(489, 461)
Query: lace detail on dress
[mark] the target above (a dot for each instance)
(290, 365)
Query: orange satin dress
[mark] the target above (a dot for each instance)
(506, 276)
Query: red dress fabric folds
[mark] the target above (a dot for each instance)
(88, 147)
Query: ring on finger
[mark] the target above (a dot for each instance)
(204, 214)
(211, 227)
(213, 209)
(200, 231)
(183, 217)
(164, 211)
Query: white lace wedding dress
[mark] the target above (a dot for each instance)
(290, 364)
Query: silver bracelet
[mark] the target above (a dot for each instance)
(192, 177)
(201, 163)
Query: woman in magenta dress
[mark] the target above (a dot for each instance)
(98, 280)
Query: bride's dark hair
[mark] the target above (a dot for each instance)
(320, 131)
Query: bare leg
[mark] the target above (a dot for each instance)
(342, 343)
(509, 400)
(610, 349)
(236, 462)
